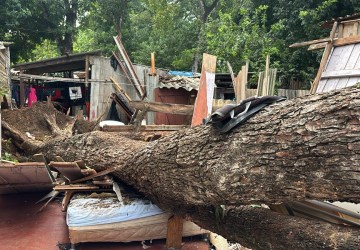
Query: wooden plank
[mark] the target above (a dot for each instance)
(303, 44)
(341, 74)
(342, 83)
(70, 170)
(265, 89)
(272, 81)
(324, 60)
(347, 40)
(77, 187)
(334, 59)
(129, 65)
(321, 85)
(330, 85)
(317, 46)
(119, 89)
(237, 88)
(354, 57)
(231, 74)
(355, 28)
(260, 83)
(153, 69)
(174, 232)
(127, 73)
(167, 108)
(87, 178)
(243, 82)
(203, 102)
(341, 30)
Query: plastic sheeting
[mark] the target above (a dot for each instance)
(98, 211)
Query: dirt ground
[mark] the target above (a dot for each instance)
(32, 124)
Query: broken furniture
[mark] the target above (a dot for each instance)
(73, 174)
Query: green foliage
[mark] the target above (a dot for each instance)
(235, 31)
(8, 157)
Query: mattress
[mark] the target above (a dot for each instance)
(106, 220)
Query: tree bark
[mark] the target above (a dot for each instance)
(303, 148)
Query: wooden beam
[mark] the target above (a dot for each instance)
(87, 65)
(231, 74)
(127, 74)
(153, 69)
(167, 108)
(129, 65)
(324, 59)
(341, 74)
(244, 71)
(119, 89)
(347, 41)
(174, 232)
(87, 178)
(303, 44)
(58, 79)
(265, 89)
(317, 46)
(79, 187)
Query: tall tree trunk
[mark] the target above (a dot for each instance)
(66, 42)
(205, 11)
(303, 148)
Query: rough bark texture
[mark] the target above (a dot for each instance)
(261, 228)
(304, 148)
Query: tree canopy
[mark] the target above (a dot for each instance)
(177, 31)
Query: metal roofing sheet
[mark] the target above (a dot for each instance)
(188, 83)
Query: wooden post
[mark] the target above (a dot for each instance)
(324, 59)
(174, 232)
(22, 90)
(153, 70)
(265, 89)
(243, 82)
(87, 65)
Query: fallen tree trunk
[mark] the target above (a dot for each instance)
(304, 148)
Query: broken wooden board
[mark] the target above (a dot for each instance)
(70, 170)
(134, 78)
(75, 187)
(90, 177)
(204, 98)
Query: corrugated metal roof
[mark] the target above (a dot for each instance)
(188, 83)
(342, 69)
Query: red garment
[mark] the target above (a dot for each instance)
(56, 96)
(32, 96)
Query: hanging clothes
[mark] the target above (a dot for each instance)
(32, 96)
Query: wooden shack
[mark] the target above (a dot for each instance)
(340, 64)
(90, 71)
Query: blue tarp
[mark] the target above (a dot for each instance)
(181, 73)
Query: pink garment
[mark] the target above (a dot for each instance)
(32, 96)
